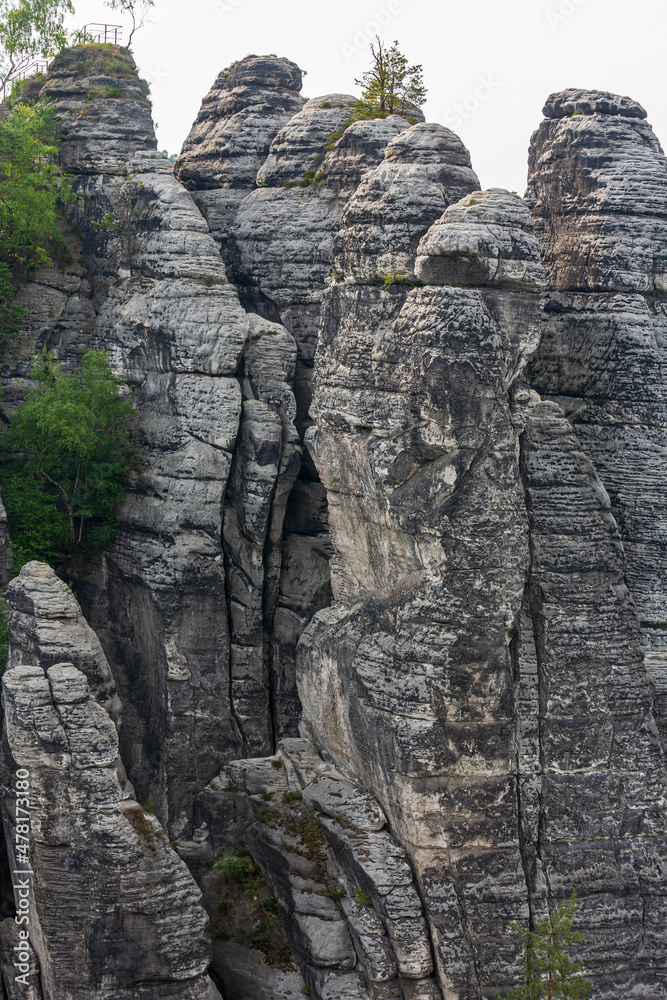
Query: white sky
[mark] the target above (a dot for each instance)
(496, 59)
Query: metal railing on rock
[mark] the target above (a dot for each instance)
(90, 34)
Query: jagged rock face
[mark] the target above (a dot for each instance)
(407, 679)
(416, 680)
(48, 628)
(238, 119)
(598, 191)
(246, 107)
(187, 626)
(349, 899)
(113, 911)
(175, 329)
(592, 774)
(425, 169)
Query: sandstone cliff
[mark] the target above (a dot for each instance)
(384, 606)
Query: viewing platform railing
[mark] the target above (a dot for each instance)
(94, 33)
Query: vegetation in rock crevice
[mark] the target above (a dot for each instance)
(548, 971)
(248, 912)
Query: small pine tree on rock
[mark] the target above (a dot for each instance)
(390, 86)
(548, 971)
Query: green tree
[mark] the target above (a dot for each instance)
(136, 9)
(390, 86)
(31, 189)
(69, 449)
(548, 971)
(31, 186)
(29, 28)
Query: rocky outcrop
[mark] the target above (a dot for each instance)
(349, 900)
(48, 628)
(397, 678)
(406, 681)
(597, 188)
(591, 771)
(187, 627)
(245, 108)
(134, 926)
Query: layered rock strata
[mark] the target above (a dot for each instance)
(244, 110)
(134, 924)
(591, 771)
(597, 189)
(406, 681)
(467, 728)
(276, 221)
(186, 625)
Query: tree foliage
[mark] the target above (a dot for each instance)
(31, 188)
(69, 450)
(390, 86)
(548, 971)
(137, 11)
(29, 28)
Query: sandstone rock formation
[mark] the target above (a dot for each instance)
(597, 188)
(392, 637)
(196, 682)
(245, 108)
(113, 911)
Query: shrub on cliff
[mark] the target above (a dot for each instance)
(548, 971)
(69, 450)
(31, 188)
(390, 86)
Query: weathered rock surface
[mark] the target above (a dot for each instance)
(592, 774)
(349, 900)
(598, 191)
(479, 733)
(47, 627)
(246, 107)
(406, 681)
(191, 662)
(113, 910)
(425, 169)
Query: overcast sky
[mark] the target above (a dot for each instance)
(488, 64)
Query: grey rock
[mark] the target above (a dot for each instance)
(596, 811)
(47, 627)
(425, 169)
(335, 796)
(591, 102)
(92, 851)
(300, 145)
(246, 976)
(486, 239)
(601, 229)
(239, 117)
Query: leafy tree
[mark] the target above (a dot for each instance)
(31, 187)
(29, 28)
(137, 10)
(549, 972)
(390, 86)
(69, 449)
